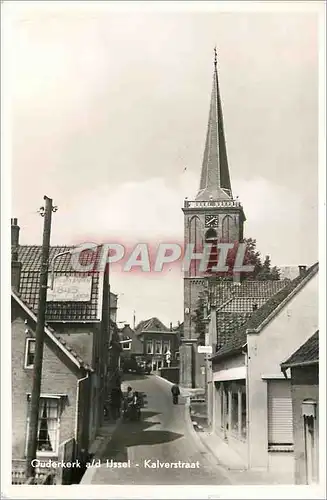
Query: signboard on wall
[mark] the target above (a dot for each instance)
(205, 349)
(70, 289)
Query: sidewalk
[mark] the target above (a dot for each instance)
(98, 447)
(229, 460)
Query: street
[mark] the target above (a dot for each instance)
(161, 437)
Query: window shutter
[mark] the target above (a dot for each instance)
(280, 414)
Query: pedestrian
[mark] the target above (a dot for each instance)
(175, 392)
(129, 397)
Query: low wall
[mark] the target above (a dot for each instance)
(18, 475)
(171, 374)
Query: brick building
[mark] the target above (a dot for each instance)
(302, 368)
(157, 341)
(77, 315)
(65, 390)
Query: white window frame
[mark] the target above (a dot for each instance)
(158, 342)
(164, 344)
(27, 343)
(127, 346)
(149, 343)
(39, 453)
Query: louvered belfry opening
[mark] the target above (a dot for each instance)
(211, 239)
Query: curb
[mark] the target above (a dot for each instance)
(203, 447)
(90, 471)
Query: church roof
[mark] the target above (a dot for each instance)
(215, 180)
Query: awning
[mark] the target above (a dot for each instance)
(229, 374)
(48, 396)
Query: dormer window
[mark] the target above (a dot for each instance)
(29, 353)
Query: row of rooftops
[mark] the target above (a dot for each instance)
(242, 307)
(232, 327)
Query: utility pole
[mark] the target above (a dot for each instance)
(45, 212)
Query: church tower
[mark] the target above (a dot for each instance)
(214, 216)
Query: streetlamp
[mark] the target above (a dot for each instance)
(60, 254)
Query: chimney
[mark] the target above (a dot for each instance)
(171, 327)
(302, 270)
(14, 233)
(16, 266)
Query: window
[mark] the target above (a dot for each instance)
(243, 419)
(48, 426)
(232, 397)
(127, 346)
(195, 230)
(158, 347)
(234, 410)
(280, 414)
(226, 228)
(29, 353)
(221, 395)
(149, 347)
(166, 346)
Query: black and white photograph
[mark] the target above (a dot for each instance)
(163, 170)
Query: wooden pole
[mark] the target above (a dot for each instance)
(39, 342)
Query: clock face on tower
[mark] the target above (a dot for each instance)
(211, 220)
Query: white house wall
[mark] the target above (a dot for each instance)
(292, 326)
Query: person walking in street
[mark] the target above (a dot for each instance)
(175, 392)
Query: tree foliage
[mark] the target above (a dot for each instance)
(262, 268)
(200, 325)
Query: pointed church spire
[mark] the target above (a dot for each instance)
(215, 181)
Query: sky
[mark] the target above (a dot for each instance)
(109, 109)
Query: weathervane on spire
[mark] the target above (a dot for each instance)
(215, 52)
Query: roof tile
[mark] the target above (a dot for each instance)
(239, 336)
(30, 257)
(308, 352)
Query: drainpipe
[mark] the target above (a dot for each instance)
(77, 403)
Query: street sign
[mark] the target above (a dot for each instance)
(205, 349)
